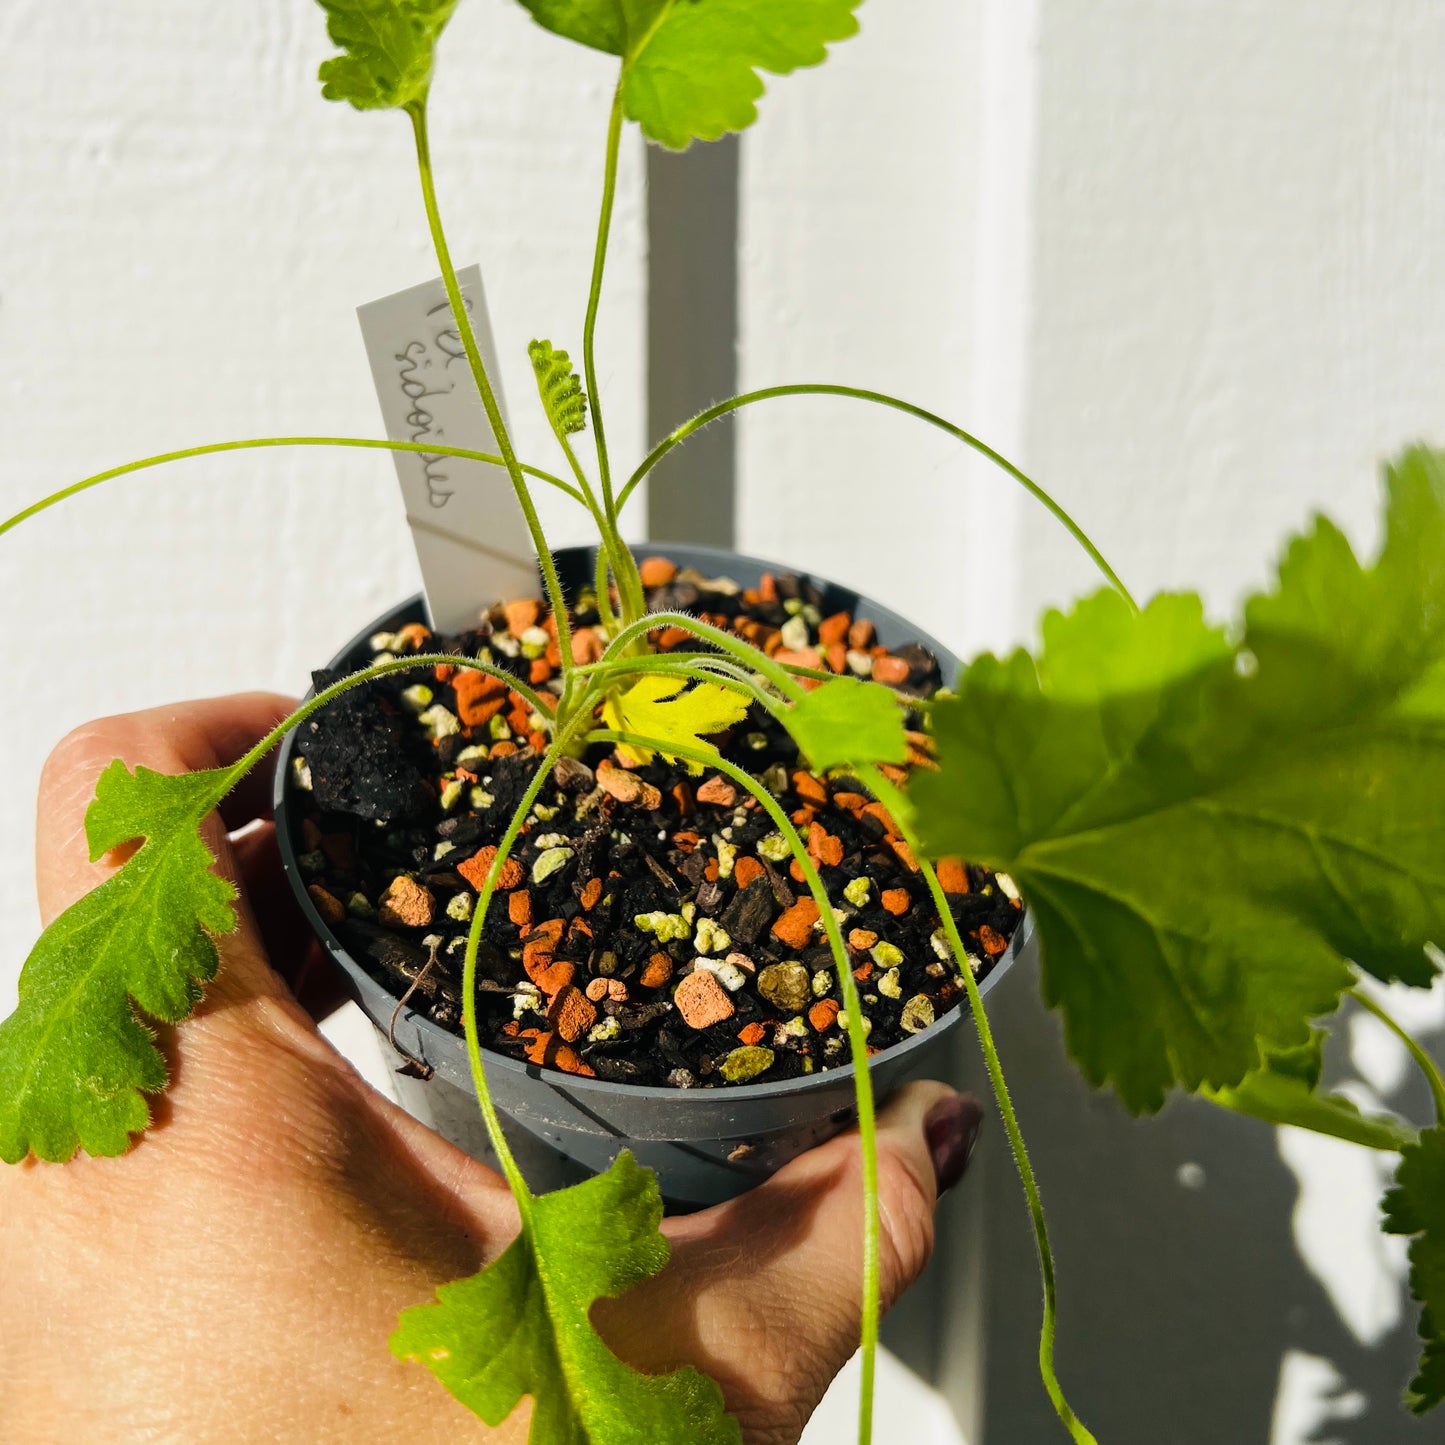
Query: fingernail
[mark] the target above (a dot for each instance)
(951, 1129)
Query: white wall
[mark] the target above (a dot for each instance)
(187, 229)
(1239, 301)
(1183, 258)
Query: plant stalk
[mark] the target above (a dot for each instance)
(893, 800)
(743, 651)
(555, 599)
(251, 444)
(879, 398)
(248, 760)
(629, 580)
(857, 1042)
(1426, 1064)
(520, 1192)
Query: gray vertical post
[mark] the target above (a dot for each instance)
(692, 329)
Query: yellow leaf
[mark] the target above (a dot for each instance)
(656, 707)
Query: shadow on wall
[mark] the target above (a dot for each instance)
(1185, 1298)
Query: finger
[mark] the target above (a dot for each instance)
(288, 938)
(924, 1137)
(187, 736)
(765, 1292)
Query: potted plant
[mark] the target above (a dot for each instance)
(664, 874)
(1218, 833)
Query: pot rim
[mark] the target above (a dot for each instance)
(686, 554)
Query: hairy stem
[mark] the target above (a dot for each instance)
(713, 659)
(735, 646)
(858, 393)
(603, 587)
(484, 387)
(1426, 1064)
(612, 551)
(426, 448)
(589, 497)
(520, 1191)
(894, 801)
(629, 581)
(245, 763)
(610, 544)
(857, 1042)
(710, 666)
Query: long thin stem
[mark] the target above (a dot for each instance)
(603, 588)
(665, 661)
(584, 484)
(484, 387)
(248, 760)
(589, 497)
(255, 442)
(1427, 1065)
(744, 651)
(857, 1040)
(656, 667)
(894, 801)
(713, 659)
(629, 582)
(520, 1191)
(612, 551)
(858, 393)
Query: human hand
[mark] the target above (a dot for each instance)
(237, 1275)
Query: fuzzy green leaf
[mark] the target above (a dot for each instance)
(690, 67)
(1208, 832)
(389, 45)
(521, 1326)
(848, 723)
(559, 386)
(656, 707)
(75, 1061)
(1416, 1206)
(1285, 1090)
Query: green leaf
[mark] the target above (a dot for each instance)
(1416, 1206)
(1208, 832)
(656, 707)
(521, 1326)
(848, 723)
(560, 387)
(1285, 1090)
(389, 47)
(75, 1061)
(690, 67)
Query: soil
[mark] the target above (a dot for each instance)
(650, 929)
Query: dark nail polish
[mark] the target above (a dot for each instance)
(951, 1130)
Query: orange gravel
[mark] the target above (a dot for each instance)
(795, 927)
(702, 1000)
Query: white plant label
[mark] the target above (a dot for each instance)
(470, 537)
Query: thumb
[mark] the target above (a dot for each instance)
(925, 1135)
(764, 1292)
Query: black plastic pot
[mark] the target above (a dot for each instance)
(706, 1145)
